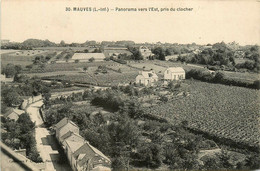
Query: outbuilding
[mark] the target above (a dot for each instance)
(147, 78)
(174, 73)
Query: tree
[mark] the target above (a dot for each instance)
(159, 52)
(9, 70)
(62, 43)
(85, 68)
(18, 69)
(11, 98)
(91, 59)
(97, 51)
(150, 155)
(29, 67)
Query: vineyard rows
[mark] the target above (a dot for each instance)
(224, 111)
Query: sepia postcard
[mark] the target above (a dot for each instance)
(130, 85)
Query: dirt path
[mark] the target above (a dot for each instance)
(45, 142)
(33, 111)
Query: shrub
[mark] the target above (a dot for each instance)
(91, 59)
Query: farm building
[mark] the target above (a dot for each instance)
(171, 57)
(13, 114)
(174, 73)
(145, 52)
(147, 78)
(81, 155)
(84, 57)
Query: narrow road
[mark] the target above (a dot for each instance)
(45, 142)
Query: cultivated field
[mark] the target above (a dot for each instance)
(65, 48)
(28, 53)
(4, 51)
(223, 111)
(250, 77)
(148, 66)
(22, 57)
(109, 79)
(74, 66)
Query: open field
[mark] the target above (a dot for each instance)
(148, 66)
(109, 79)
(74, 66)
(22, 57)
(65, 48)
(16, 60)
(118, 73)
(4, 51)
(223, 111)
(28, 53)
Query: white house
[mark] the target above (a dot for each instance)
(174, 73)
(146, 78)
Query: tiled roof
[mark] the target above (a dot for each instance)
(73, 145)
(16, 111)
(86, 152)
(98, 152)
(149, 74)
(64, 122)
(69, 134)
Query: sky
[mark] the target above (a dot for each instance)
(208, 22)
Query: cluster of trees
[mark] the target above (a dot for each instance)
(131, 144)
(220, 77)
(12, 95)
(29, 44)
(136, 53)
(109, 99)
(221, 55)
(118, 43)
(253, 64)
(20, 134)
(160, 53)
(40, 59)
(132, 139)
(101, 69)
(180, 49)
(10, 70)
